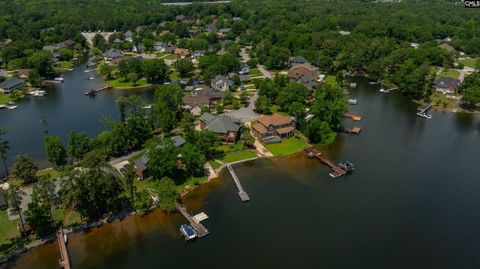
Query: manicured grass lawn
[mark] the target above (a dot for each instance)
(173, 76)
(171, 57)
(68, 217)
(215, 165)
(4, 98)
(238, 156)
(452, 73)
(331, 80)
(51, 172)
(440, 100)
(62, 66)
(287, 146)
(470, 62)
(8, 228)
(276, 110)
(191, 181)
(119, 83)
(160, 54)
(255, 72)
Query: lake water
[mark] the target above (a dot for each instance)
(412, 202)
(66, 109)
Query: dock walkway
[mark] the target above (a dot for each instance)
(62, 245)
(315, 153)
(197, 226)
(241, 192)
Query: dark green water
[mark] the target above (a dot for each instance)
(66, 109)
(413, 202)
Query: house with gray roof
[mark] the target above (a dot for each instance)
(227, 128)
(140, 166)
(112, 54)
(297, 60)
(446, 85)
(221, 83)
(11, 85)
(244, 69)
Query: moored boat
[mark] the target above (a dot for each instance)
(90, 93)
(347, 166)
(188, 232)
(352, 101)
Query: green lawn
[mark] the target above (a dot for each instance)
(470, 62)
(255, 72)
(331, 80)
(170, 57)
(63, 66)
(194, 181)
(119, 83)
(238, 156)
(160, 54)
(215, 165)
(8, 228)
(173, 76)
(276, 110)
(4, 98)
(287, 146)
(68, 217)
(452, 73)
(440, 100)
(51, 172)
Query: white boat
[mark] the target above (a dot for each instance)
(353, 84)
(88, 70)
(352, 101)
(58, 79)
(65, 238)
(70, 69)
(424, 115)
(11, 107)
(384, 91)
(188, 232)
(38, 93)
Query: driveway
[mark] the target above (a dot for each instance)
(264, 71)
(246, 114)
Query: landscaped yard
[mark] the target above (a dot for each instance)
(173, 76)
(69, 217)
(276, 110)
(470, 62)
(170, 57)
(451, 73)
(238, 156)
(119, 83)
(51, 172)
(4, 98)
(62, 66)
(441, 100)
(255, 72)
(287, 146)
(8, 228)
(331, 80)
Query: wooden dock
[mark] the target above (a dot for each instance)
(241, 192)
(424, 109)
(353, 116)
(105, 87)
(62, 245)
(197, 226)
(315, 153)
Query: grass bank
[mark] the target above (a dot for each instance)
(119, 83)
(287, 146)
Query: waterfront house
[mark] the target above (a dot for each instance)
(112, 54)
(198, 53)
(128, 36)
(244, 69)
(195, 103)
(140, 48)
(446, 85)
(223, 32)
(274, 126)
(305, 74)
(212, 94)
(297, 60)
(140, 165)
(170, 49)
(227, 128)
(221, 83)
(181, 52)
(160, 46)
(23, 73)
(11, 85)
(447, 47)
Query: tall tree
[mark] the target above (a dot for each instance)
(4, 147)
(55, 151)
(167, 194)
(24, 169)
(15, 197)
(78, 145)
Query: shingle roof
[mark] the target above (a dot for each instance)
(11, 83)
(274, 120)
(446, 82)
(220, 124)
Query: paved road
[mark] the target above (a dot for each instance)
(246, 114)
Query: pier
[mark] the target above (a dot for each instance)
(353, 116)
(241, 192)
(105, 87)
(194, 222)
(62, 245)
(315, 153)
(424, 109)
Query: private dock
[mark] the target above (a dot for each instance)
(105, 87)
(241, 192)
(315, 153)
(353, 116)
(62, 245)
(354, 130)
(424, 109)
(194, 222)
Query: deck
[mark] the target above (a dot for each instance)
(315, 153)
(64, 260)
(196, 225)
(241, 192)
(352, 116)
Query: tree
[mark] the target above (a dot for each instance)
(128, 66)
(247, 139)
(132, 77)
(128, 181)
(162, 160)
(15, 197)
(66, 54)
(471, 97)
(330, 105)
(167, 194)
(219, 109)
(318, 131)
(77, 145)
(263, 105)
(41, 61)
(193, 159)
(4, 147)
(54, 151)
(184, 67)
(24, 169)
(155, 70)
(167, 109)
(38, 217)
(243, 97)
(34, 78)
(105, 70)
